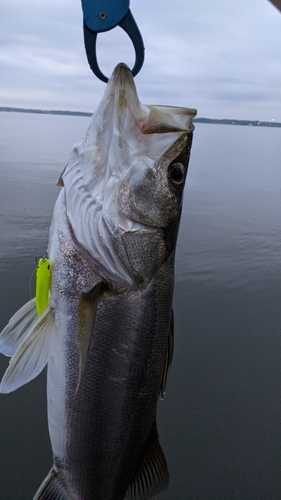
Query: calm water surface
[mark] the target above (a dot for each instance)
(220, 422)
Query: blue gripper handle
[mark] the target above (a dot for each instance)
(103, 15)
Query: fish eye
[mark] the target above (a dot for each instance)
(177, 173)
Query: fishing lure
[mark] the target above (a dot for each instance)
(43, 285)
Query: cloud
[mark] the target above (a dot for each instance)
(221, 57)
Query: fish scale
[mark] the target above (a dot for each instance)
(109, 396)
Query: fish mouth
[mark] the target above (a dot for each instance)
(109, 171)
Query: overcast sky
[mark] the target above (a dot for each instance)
(222, 57)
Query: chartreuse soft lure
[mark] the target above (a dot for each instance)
(43, 285)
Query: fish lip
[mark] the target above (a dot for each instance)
(120, 73)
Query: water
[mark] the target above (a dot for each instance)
(219, 423)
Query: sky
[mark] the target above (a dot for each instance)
(222, 57)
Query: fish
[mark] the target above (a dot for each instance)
(106, 332)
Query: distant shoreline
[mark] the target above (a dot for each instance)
(44, 111)
(252, 123)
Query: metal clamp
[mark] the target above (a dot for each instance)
(103, 15)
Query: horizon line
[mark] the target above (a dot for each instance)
(221, 121)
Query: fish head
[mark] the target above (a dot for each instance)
(124, 183)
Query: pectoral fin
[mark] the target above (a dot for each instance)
(87, 313)
(17, 328)
(153, 474)
(168, 358)
(32, 354)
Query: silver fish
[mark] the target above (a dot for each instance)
(107, 335)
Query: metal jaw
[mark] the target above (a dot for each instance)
(129, 25)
